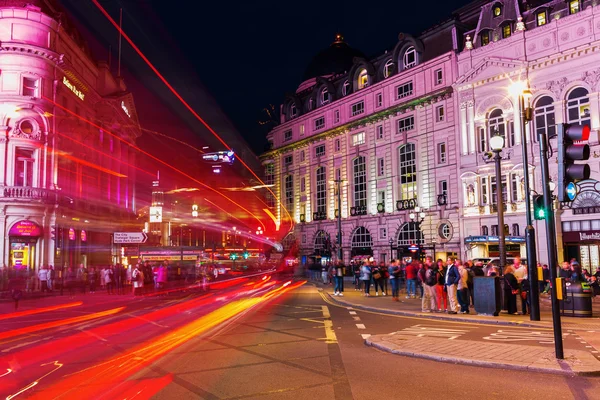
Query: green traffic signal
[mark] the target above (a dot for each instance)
(539, 211)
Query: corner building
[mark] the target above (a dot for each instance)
(382, 131)
(551, 47)
(66, 182)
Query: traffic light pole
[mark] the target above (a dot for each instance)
(534, 289)
(500, 206)
(551, 242)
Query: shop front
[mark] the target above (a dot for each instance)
(23, 240)
(489, 246)
(583, 246)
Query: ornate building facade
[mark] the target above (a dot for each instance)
(376, 136)
(68, 169)
(550, 47)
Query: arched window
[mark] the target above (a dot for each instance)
(484, 230)
(361, 238)
(515, 230)
(346, 88)
(363, 79)
(388, 68)
(410, 234)
(321, 190)
(320, 241)
(506, 30)
(293, 111)
(289, 193)
(409, 59)
(496, 124)
(578, 106)
(544, 116)
(360, 181)
(408, 172)
(485, 37)
(497, 10)
(325, 96)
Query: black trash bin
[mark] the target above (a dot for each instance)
(487, 295)
(578, 300)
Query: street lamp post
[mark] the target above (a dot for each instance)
(391, 249)
(523, 94)
(418, 222)
(496, 145)
(338, 188)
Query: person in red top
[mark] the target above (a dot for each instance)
(411, 279)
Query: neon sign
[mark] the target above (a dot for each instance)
(73, 88)
(83, 236)
(71, 234)
(25, 228)
(124, 107)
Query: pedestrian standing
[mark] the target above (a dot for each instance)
(338, 279)
(511, 290)
(161, 276)
(411, 279)
(43, 276)
(92, 278)
(463, 288)
(137, 277)
(451, 282)
(365, 277)
(71, 281)
(394, 271)
(356, 270)
(51, 278)
(81, 277)
(108, 279)
(440, 287)
(378, 278)
(428, 303)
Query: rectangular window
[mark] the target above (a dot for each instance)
(302, 130)
(439, 113)
(336, 116)
(338, 145)
(406, 124)
(506, 31)
(23, 167)
(511, 134)
(443, 188)
(379, 132)
(360, 182)
(287, 136)
(319, 123)
(404, 90)
(381, 196)
(321, 192)
(381, 166)
(302, 156)
(439, 76)
(485, 38)
(378, 100)
(338, 174)
(303, 184)
(30, 87)
(358, 139)
(573, 7)
(441, 153)
(357, 108)
(494, 230)
(514, 188)
(320, 150)
(541, 18)
(289, 193)
(504, 189)
(382, 233)
(407, 158)
(288, 160)
(482, 139)
(484, 191)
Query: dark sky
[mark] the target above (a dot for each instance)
(249, 54)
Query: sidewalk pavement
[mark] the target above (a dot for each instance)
(412, 308)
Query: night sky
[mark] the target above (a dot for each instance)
(249, 55)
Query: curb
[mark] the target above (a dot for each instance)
(486, 364)
(432, 315)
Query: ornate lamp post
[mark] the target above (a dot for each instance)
(417, 217)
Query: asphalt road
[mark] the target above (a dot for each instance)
(252, 342)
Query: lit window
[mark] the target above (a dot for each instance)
(325, 96)
(23, 167)
(506, 31)
(346, 88)
(408, 172)
(439, 113)
(288, 160)
(410, 58)
(446, 231)
(319, 123)
(485, 38)
(484, 191)
(363, 79)
(378, 100)
(388, 68)
(404, 90)
(544, 116)
(496, 124)
(482, 139)
(320, 150)
(439, 77)
(497, 11)
(358, 139)
(321, 191)
(541, 18)
(360, 182)
(442, 153)
(578, 106)
(336, 116)
(302, 130)
(338, 145)
(303, 184)
(287, 136)
(379, 131)
(381, 166)
(406, 124)
(357, 108)
(573, 7)
(30, 87)
(289, 193)
(504, 189)
(293, 110)
(302, 156)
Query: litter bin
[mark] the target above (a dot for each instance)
(578, 300)
(487, 295)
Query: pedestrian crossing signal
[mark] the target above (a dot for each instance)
(539, 211)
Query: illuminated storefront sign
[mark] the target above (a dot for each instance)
(83, 236)
(73, 88)
(71, 234)
(124, 107)
(155, 214)
(25, 228)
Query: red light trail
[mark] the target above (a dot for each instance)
(40, 310)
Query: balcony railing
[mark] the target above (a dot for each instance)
(27, 193)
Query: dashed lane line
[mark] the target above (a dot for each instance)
(361, 326)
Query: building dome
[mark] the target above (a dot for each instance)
(335, 59)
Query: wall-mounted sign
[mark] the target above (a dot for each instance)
(71, 234)
(226, 157)
(155, 214)
(25, 228)
(73, 88)
(402, 205)
(83, 236)
(130, 237)
(124, 107)
(488, 239)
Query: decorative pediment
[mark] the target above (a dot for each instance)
(490, 68)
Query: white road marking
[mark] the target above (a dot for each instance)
(521, 336)
(361, 326)
(433, 331)
(356, 318)
(365, 335)
(352, 313)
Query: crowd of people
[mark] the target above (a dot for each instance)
(448, 286)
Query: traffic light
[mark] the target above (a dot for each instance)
(539, 211)
(568, 153)
(245, 255)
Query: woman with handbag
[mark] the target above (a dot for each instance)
(378, 278)
(511, 289)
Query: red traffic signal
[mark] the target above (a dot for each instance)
(569, 152)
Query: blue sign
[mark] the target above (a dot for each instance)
(413, 247)
(571, 191)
